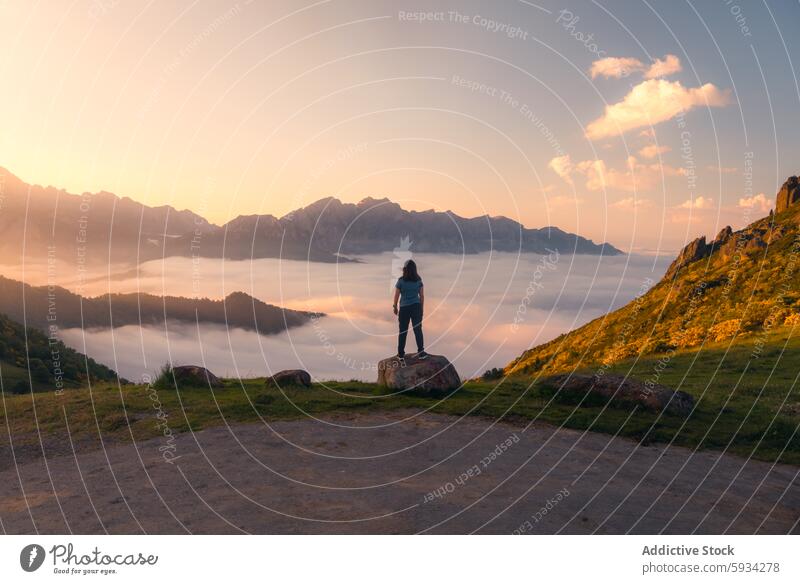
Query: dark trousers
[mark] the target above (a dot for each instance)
(412, 313)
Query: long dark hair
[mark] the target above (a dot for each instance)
(410, 271)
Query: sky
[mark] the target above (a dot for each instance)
(642, 124)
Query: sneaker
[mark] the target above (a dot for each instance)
(422, 355)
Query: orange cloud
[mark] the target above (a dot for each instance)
(759, 202)
(615, 67)
(562, 166)
(700, 203)
(631, 203)
(662, 67)
(652, 151)
(618, 67)
(558, 201)
(652, 102)
(635, 176)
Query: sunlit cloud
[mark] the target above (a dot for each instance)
(615, 67)
(662, 67)
(631, 203)
(700, 203)
(564, 201)
(652, 102)
(562, 166)
(619, 67)
(600, 176)
(653, 150)
(758, 202)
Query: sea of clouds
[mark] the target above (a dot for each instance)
(481, 310)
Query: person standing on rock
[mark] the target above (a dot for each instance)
(410, 293)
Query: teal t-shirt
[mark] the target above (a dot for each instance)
(409, 291)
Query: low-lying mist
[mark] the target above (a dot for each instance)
(481, 311)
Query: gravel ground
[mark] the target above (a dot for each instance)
(397, 472)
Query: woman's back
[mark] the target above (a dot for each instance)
(409, 291)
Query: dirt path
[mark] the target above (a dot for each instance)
(398, 472)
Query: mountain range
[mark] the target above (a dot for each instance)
(101, 228)
(45, 222)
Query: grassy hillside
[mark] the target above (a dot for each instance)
(755, 415)
(742, 284)
(45, 365)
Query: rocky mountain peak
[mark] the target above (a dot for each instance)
(723, 236)
(372, 201)
(695, 250)
(788, 195)
(754, 236)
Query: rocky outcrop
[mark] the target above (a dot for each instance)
(722, 237)
(195, 376)
(788, 195)
(751, 239)
(433, 374)
(624, 390)
(699, 249)
(696, 250)
(290, 377)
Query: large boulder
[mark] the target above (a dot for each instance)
(195, 376)
(620, 389)
(433, 374)
(788, 195)
(296, 377)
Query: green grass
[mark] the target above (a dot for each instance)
(748, 419)
(748, 402)
(13, 375)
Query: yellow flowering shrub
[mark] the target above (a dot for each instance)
(725, 329)
(792, 320)
(619, 352)
(689, 337)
